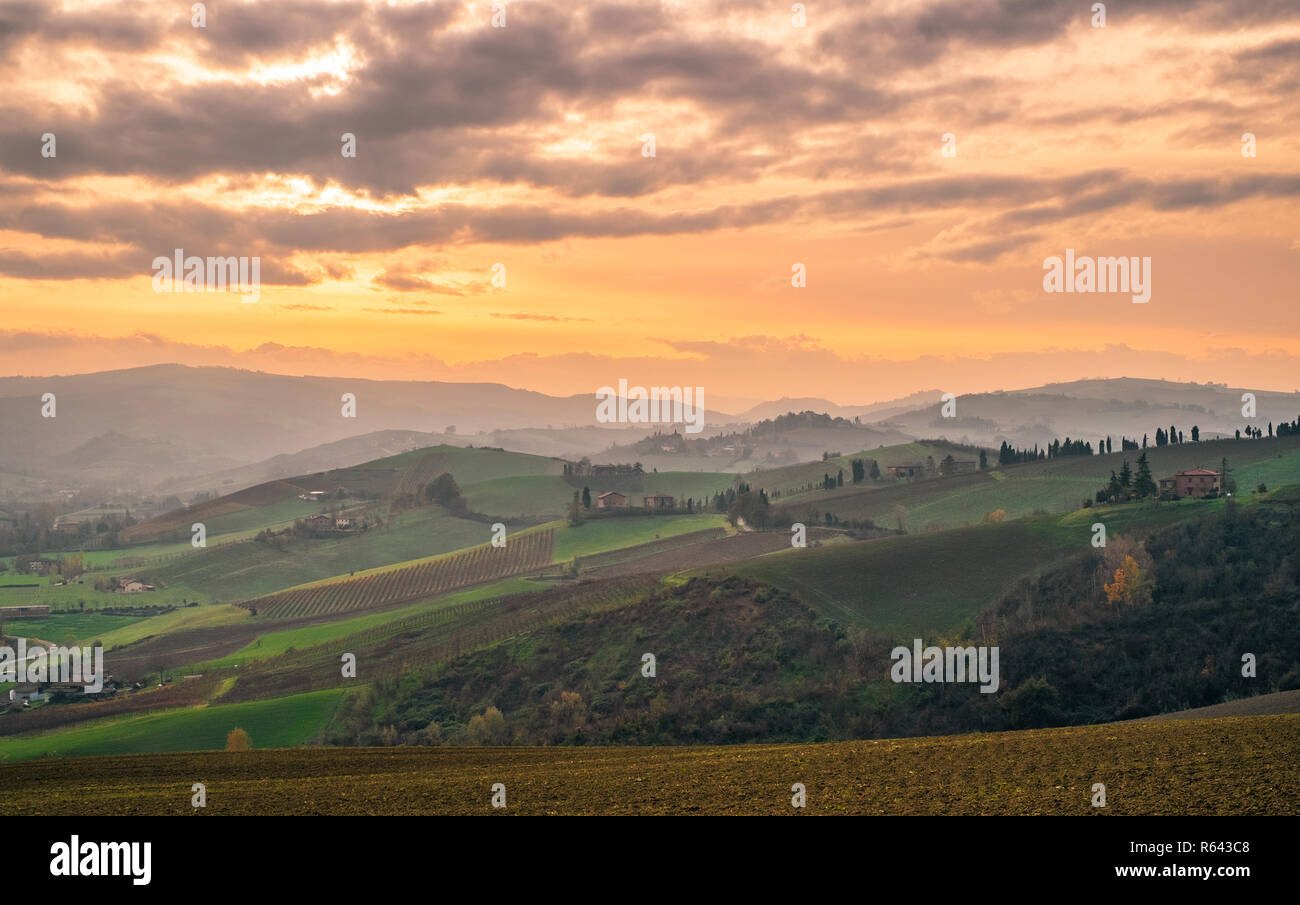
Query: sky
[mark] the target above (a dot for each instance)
(503, 218)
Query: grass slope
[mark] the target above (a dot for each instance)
(533, 496)
(67, 628)
(913, 583)
(277, 723)
(603, 535)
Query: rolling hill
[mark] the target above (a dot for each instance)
(1052, 486)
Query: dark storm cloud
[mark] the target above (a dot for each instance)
(428, 105)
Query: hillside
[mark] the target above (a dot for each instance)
(276, 503)
(805, 657)
(1259, 705)
(913, 583)
(1052, 485)
(803, 481)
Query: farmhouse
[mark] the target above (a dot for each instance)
(657, 502)
(964, 466)
(312, 495)
(132, 586)
(319, 522)
(905, 471)
(1194, 482)
(611, 499)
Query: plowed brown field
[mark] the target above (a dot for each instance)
(1237, 765)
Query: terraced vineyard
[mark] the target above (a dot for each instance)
(432, 637)
(524, 553)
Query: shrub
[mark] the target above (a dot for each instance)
(488, 728)
(238, 740)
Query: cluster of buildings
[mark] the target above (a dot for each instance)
(323, 522)
(24, 694)
(612, 499)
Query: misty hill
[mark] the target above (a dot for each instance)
(175, 428)
(873, 412)
(787, 439)
(187, 422)
(325, 457)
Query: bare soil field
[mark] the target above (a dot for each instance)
(1278, 702)
(707, 553)
(1235, 765)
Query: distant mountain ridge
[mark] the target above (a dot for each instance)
(174, 428)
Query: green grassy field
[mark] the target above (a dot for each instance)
(523, 496)
(277, 723)
(122, 558)
(274, 515)
(1231, 766)
(70, 627)
(75, 597)
(600, 535)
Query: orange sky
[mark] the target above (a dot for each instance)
(775, 145)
